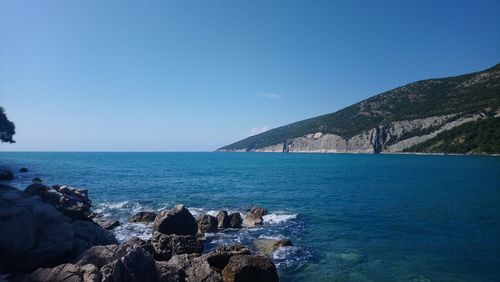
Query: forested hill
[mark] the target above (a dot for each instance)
(430, 106)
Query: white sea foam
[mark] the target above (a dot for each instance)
(274, 218)
(128, 230)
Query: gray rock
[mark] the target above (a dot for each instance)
(219, 258)
(207, 223)
(23, 169)
(107, 224)
(32, 234)
(176, 221)
(252, 220)
(196, 268)
(166, 272)
(167, 245)
(6, 175)
(88, 234)
(144, 216)
(247, 268)
(136, 266)
(222, 220)
(235, 220)
(267, 246)
(258, 211)
(66, 272)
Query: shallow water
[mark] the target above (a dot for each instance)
(350, 217)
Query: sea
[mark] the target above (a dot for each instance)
(350, 217)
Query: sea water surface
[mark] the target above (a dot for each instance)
(350, 217)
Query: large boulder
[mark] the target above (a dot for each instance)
(6, 175)
(196, 268)
(143, 216)
(252, 220)
(207, 223)
(32, 234)
(258, 211)
(66, 272)
(167, 245)
(72, 202)
(222, 220)
(219, 258)
(166, 272)
(267, 246)
(136, 266)
(88, 234)
(235, 220)
(248, 268)
(177, 221)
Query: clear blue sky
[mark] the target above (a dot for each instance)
(197, 75)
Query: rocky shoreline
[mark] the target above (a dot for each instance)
(51, 234)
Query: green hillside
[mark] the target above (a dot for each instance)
(465, 94)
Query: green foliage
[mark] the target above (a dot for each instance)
(470, 93)
(475, 137)
(7, 128)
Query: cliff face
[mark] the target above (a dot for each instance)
(393, 121)
(7, 128)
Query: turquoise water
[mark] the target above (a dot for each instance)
(350, 217)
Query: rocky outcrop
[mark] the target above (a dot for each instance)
(242, 268)
(258, 211)
(252, 220)
(222, 220)
(176, 221)
(167, 245)
(235, 220)
(207, 223)
(144, 216)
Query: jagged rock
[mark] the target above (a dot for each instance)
(235, 220)
(136, 266)
(144, 216)
(107, 224)
(252, 220)
(258, 211)
(66, 272)
(32, 234)
(102, 255)
(196, 268)
(222, 220)
(137, 242)
(72, 202)
(219, 258)
(167, 245)
(88, 234)
(23, 169)
(176, 221)
(233, 249)
(207, 223)
(166, 272)
(267, 246)
(6, 175)
(243, 268)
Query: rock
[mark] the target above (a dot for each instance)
(66, 272)
(219, 258)
(136, 266)
(72, 202)
(252, 220)
(167, 245)
(32, 234)
(166, 272)
(207, 223)
(137, 242)
(107, 224)
(196, 268)
(176, 221)
(222, 220)
(37, 180)
(88, 234)
(235, 220)
(267, 246)
(144, 216)
(102, 255)
(233, 249)
(23, 169)
(6, 175)
(258, 211)
(243, 268)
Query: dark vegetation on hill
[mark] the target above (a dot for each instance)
(462, 95)
(7, 128)
(482, 136)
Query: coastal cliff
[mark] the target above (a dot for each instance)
(398, 121)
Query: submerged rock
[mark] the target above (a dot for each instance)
(207, 223)
(23, 169)
(242, 268)
(267, 246)
(176, 221)
(143, 216)
(6, 175)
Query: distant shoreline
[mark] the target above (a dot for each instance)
(364, 153)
